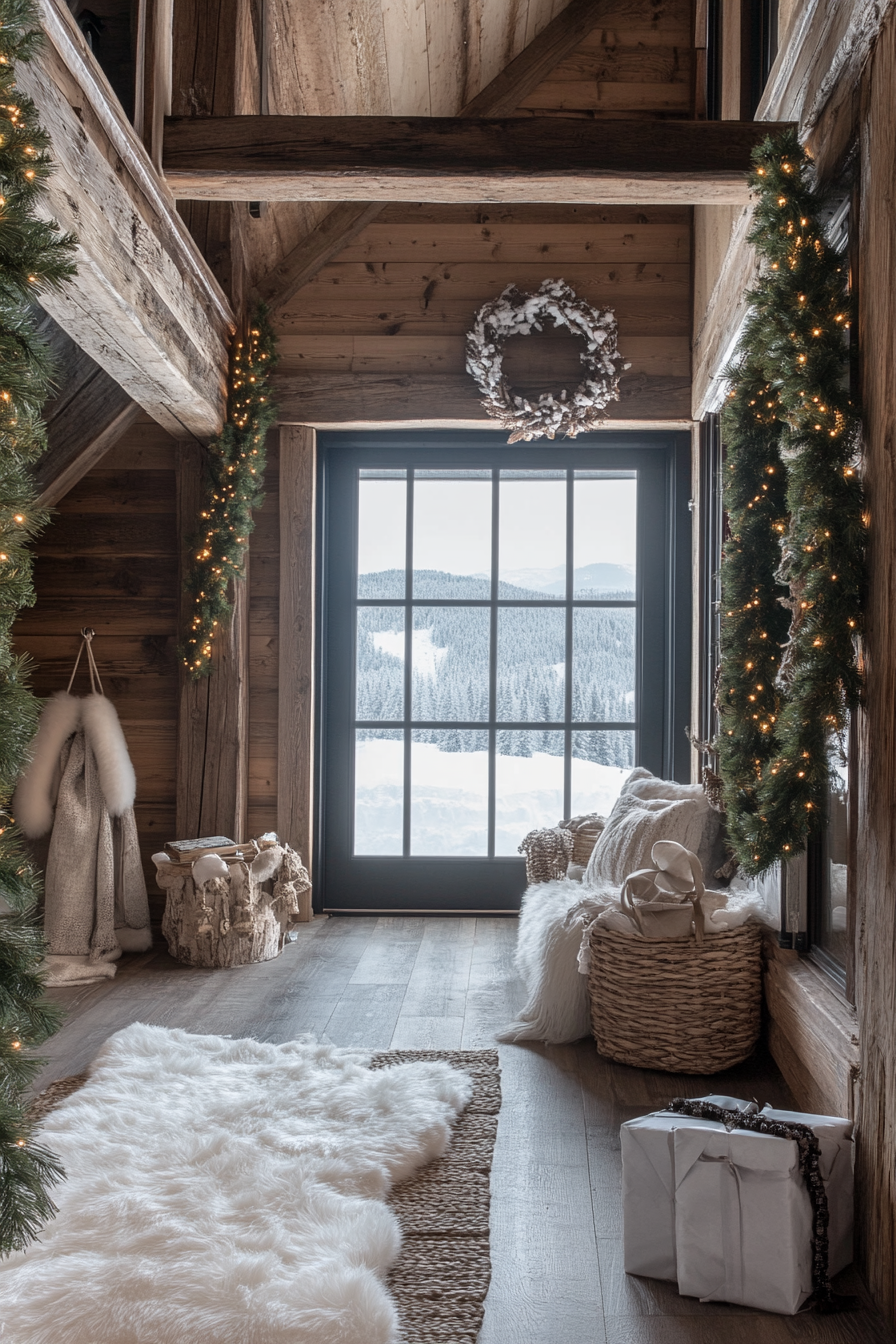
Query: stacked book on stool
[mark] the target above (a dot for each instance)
(724, 1207)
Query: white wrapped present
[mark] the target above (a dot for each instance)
(837, 1162)
(743, 1214)
(648, 1186)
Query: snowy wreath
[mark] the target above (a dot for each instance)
(516, 314)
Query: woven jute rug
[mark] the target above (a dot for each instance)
(440, 1280)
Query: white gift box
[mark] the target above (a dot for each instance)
(837, 1161)
(743, 1220)
(650, 1178)
(648, 1186)
(743, 1215)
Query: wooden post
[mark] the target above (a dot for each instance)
(213, 713)
(152, 100)
(295, 735)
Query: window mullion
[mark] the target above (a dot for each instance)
(567, 680)
(408, 663)
(493, 668)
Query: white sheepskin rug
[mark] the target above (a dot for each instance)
(227, 1192)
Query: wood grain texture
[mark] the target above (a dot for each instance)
(405, 22)
(526, 360)
(717, 328)
(144, 304)
(85, 415)
(154, 58)
(815, 82)
(875, 885)
(325, 399)
(296, 690)
(521, 76)
(557, 1276)
(128, 593)
(264, 604)
(814, 1036)
(456, 159)
(79, 438)
(213, 713)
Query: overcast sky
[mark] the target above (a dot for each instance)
(453, 524)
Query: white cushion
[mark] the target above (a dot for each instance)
(710, 851)
(632, 829)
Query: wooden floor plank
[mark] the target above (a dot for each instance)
(410, 983)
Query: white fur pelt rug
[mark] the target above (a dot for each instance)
(548, 940)
(227, 1192)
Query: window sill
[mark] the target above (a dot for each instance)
(812, 1033)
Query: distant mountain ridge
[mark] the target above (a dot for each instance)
(597, 578)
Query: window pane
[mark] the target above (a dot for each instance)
(605, 535)
(532, 536)
(382, 535)
(449, 791)
(451, 663)
(528, 785)
(603, 664)
(380, 679)
(531, 664)
(600, 764)
(832, 924)
(452, 538)
(379, 790)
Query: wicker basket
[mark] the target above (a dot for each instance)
(584, 838)
(673, 1004)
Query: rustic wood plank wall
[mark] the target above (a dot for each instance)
(876, 841)
(109, 560)
(636, 63)
(402, 296)
(796, 1029)
(264, 602)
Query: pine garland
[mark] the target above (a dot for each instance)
(793, 572)
(34, 257)
(236, 463)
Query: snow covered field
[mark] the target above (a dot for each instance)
(449, 792)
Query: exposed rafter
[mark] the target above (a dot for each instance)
(499, 98)
(144, 304)
(455, 159)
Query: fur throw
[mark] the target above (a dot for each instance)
(63, 714)
(227, 1192)
(558, 1007)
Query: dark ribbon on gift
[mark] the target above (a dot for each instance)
(823, 1298)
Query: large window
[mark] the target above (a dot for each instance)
(500, 651)
(497, 623)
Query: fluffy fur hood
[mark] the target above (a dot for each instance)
(35, 796)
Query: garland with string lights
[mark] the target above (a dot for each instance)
(235, 469)
(34, 257)
(793, 571)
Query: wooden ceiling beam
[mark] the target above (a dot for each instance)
(144, 304)
(456, 159)
(499, 98)
(332, 398)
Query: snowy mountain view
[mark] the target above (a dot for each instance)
(450, 683)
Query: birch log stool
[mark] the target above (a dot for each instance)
(237, 919)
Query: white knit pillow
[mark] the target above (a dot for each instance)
(642, 784)
(632, 829)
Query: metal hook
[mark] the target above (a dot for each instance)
(87, 633)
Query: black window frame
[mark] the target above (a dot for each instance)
(336, 448)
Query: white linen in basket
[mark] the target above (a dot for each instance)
(557, 1007)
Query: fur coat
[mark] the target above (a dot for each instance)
(79, 783)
